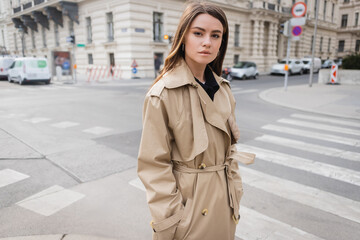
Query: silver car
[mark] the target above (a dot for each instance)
(295, 66)
(244, 70)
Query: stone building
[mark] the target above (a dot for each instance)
(117, 32)
(349, 28)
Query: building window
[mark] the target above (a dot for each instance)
(341, 45)
(43, 32)
(237, 35)
(314, 7)
(56, 31)
(329, 43)
(110, 26)
(71, 27)
(33, 39)
(356, 19)
(321, 42)
(158, 26)
(357, 46)
(324, 13)
(332, 12)
(90, 59)
(264, 4)
(346, 1)
(89, 30)
(15, 41)
(344, 19)
(236, 58)
(3, 37)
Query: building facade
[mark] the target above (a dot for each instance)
(117, 32)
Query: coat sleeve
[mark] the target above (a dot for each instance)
(155, 169)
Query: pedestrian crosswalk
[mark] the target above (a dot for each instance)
(306, 144)
(46, 202)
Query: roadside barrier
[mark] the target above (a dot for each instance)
(101, 72)
(334, 74)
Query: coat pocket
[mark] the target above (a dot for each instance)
(185, 221)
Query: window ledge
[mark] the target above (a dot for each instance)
(109, 44)
(89, 45)
(238, 47)
(154, 43)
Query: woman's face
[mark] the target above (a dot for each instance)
(203, 39)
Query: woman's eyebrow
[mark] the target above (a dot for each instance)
(202, 29)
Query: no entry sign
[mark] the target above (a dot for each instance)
(296, 31)
(299, 9)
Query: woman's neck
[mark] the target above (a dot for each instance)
(197, 69)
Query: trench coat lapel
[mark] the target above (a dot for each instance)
(218, 111)
(215, 112)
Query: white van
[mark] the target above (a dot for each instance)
(307, 64)
(29, 69)
(5, 63)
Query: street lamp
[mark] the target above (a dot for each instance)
(22, 31)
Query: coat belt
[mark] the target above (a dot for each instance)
(231, 189)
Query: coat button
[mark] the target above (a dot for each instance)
(202, 166)
(204, 212)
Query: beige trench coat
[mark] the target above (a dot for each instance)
(188, 161)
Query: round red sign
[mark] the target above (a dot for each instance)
(299, 9)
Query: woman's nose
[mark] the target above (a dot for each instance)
(207, 41)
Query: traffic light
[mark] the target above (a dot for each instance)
(72, 39)
(284, 28)
(168, 37)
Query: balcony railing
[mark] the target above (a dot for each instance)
(17, 9)
(27, 5)
(36, 2)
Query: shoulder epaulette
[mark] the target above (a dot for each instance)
(157, 89)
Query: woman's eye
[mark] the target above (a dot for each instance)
(197, 33)
(216, 36)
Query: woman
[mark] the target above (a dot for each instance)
(187, 160)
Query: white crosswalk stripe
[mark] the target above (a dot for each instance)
(50, 200)
(320, 126)
(254, 225)
(305, 195)
(37, 120)
(9, 176)
(312, 134)
(326, 119)
(322, 169)
(289, 143)
(245, 91)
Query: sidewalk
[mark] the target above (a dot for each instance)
(333, 100)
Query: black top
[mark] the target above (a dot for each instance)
(210, 86)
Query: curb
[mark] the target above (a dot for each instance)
(263, 96)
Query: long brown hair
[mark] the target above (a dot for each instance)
(191, 12)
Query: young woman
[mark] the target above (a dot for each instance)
(187, 157)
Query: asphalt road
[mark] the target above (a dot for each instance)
(301, 186)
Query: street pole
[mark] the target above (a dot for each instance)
(287, 62)
(74, 64)
(22, 31)
(314, 45)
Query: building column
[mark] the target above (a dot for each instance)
(256, 38)
(275, 34)
(261, 37)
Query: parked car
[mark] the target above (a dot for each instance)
(307, 64)
(29, 69)
(295, 66)
(327, 63)
(339, 62)
(5, 63)
(241, 70)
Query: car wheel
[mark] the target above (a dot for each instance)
(9, 79)
(290, 73)
(243, 77)
(255, 76)
(21, 81)
(301, 72)
(47, 82)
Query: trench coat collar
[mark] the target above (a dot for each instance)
(181, 75)
(213, 110)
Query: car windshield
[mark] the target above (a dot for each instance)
(283, 62)
(306, 62)
(241, 65)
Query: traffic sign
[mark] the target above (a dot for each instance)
(134, 64)
(134, 70)
(298, 21)
(298, 9)
(296, 30)
(80, 45)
